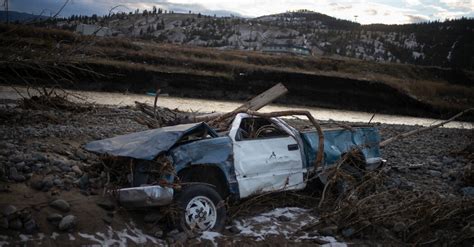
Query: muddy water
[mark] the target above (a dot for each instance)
(201, 105)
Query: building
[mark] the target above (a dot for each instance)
(86, 29)
(285, 48)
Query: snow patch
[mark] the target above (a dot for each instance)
(121, 238)
(211, 236)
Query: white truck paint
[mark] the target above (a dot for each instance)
(263, 165)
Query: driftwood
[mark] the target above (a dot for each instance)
(159, 116)
(254, 104)
(417, 131)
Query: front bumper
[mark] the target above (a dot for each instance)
(145, 196)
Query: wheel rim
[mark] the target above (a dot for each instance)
(201, 214)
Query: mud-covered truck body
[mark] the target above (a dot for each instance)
(255, 156)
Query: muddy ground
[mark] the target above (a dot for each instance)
(52, 191)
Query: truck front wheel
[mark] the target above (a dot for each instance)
(201, 209)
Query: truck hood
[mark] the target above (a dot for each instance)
(146, 145)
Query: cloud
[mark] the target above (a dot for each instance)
(416, 18)
(368, 11)
(338, 6)
(464, 5)
(371, 11)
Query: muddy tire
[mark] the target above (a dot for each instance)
(201, 209)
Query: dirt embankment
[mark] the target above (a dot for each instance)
(305, 89)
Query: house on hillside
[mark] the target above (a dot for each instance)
(86, 29)
(286, 48)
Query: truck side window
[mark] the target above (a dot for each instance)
(258, 128)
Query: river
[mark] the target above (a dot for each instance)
(203, 105)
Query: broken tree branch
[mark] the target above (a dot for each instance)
(417, 131)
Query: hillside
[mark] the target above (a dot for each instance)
(14, 16)
(447, 44)
(41, 56)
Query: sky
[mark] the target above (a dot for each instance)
(362, 11)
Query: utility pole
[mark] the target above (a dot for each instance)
(6, 10)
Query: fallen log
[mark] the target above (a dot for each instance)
(255, 104)
(417, 131)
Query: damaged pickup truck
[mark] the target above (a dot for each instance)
(256, 155)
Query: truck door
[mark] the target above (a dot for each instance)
(266, 157)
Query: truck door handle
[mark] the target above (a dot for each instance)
(292, 147)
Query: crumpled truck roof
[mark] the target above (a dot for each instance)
(145, 145)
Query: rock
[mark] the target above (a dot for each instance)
(108, 220)
(20, 165)
(415, 166)
(329, 230)
(30, 226)
(234, 229)
(152, 217)
(157, 232)
(15, 224)
(284, 218)
(468, 191)
(58, 182)
(14, 175)
(37, 184)
(4, 223)
(81, 155)
(65, 168)
(54, 217)
(106, 204)
(61, 205)
(8, 210)
(67, 223)
(180, 237)
(47, 183)
(76, 170)
(38, 157)
(434, 173)
(348, 232)
(84, 182)
(399, 227)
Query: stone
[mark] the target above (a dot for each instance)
(4, 223)
(30, 226)
(14, 175)
(61, 205)
(81, 155)
(284, 218)
(20, 165)
(468, 191)
(108, 220)
(54, 217)
(76, 170)
(180, 237)
(37, 184)
(328, 231)
(8, 210)
(152, 217)
(15, 224)
(84, 182)
(434, 173)
(234, 229)
(67, 223)
(106, 204)
(399, 227)
(58, 182)
(348, 232)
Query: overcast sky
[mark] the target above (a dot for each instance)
(368, 11)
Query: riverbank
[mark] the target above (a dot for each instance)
(39, 57)
(42, 161)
